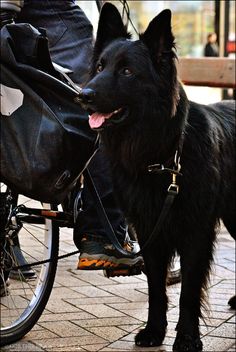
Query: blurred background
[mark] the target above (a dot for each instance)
(192, 21)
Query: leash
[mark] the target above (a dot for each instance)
(172, 192)
(103, 216)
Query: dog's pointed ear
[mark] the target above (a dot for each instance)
(158, 36)
(110, 27)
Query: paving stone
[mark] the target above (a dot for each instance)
(232, 349)
(65, 342)
(129, 328)
(225, 330)
(64, 292)
(59, 306)
(110, 333)
(67, 349)
(65, 328)
(88, 312)
(67, 280)
(140, 314)
(219, 301)
(91, 291)
(23, 346)
(65, 316)
(107, 322)
(39, 335)
(221, 315)
(228, 291)
(94, 277)
(126, 306)
(96, 300)
(101, 310)
(219, 308)
(129, 346)
(127, 292)
(130, 279)
(94, 348)
(232, 320)
(216, 344)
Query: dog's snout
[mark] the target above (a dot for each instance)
(86, 96)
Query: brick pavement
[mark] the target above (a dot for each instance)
(88, 312)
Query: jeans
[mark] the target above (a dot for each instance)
(70, 36)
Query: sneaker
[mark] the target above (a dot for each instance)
(96, 253)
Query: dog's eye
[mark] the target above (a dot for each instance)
(99, 68)
(127, 72)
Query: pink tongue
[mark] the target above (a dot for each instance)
(97, 119)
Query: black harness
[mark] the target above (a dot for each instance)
(172, 192)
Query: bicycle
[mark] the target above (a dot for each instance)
(23, 298)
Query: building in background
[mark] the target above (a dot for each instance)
(191, 22)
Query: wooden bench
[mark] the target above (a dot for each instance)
(211, 72)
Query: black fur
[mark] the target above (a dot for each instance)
(141, 77)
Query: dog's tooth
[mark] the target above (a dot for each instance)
(116, 111)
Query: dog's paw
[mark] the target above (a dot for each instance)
(232, 302)
(146, 338)
(187, 343)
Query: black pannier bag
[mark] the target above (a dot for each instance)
(46, 141)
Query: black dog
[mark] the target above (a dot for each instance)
(144, 117)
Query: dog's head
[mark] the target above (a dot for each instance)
(127, 76)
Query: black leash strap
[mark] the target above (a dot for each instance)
(173, 190)
(158, 226)
(103, 216)
(50, 260)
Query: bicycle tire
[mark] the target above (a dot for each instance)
(23, 319)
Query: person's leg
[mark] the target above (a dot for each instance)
(88, 221)
(70, 43)
(89, 234)
(69, 32)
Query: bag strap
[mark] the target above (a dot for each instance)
(69, 81)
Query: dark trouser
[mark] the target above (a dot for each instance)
(70, 42)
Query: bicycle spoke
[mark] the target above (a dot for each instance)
(24, 289)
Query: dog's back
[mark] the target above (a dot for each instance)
(209, 158)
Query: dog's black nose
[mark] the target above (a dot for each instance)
(86, 96)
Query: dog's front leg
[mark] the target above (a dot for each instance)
(156, 270)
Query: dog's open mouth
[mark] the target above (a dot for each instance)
(98, 120)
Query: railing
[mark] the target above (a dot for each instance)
(211, 72)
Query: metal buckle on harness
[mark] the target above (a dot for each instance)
(173, 187)
(156, 168)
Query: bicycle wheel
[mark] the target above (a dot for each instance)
(25, 292)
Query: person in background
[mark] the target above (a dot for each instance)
(211, 48)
